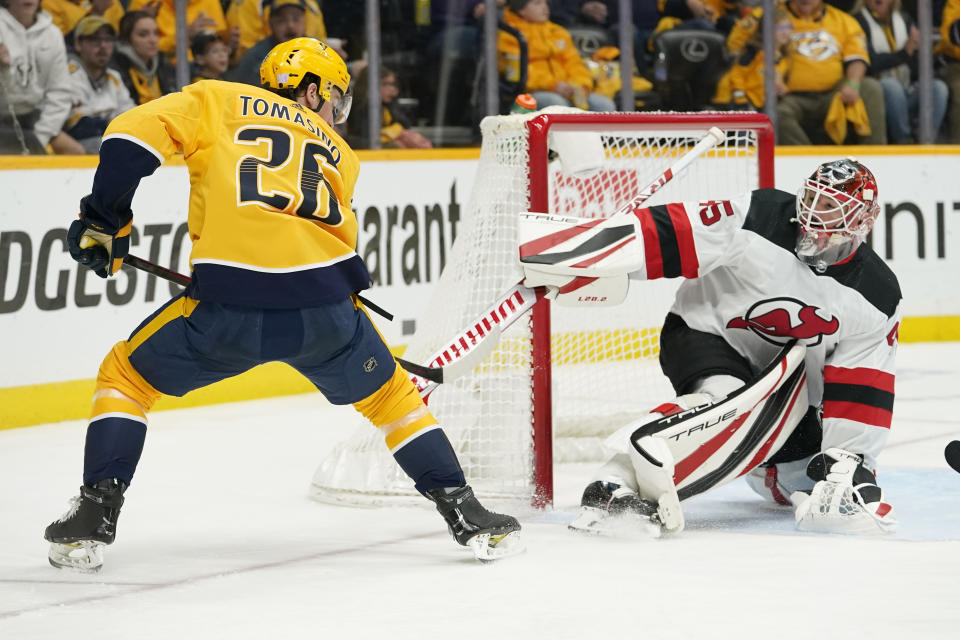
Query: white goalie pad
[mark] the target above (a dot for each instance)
(579, 247)
(581, 261)
(718, 442)
(653, 466)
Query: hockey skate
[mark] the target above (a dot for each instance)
(489, 535)
(609, 509)
(78, 537)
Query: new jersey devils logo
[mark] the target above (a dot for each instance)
(779, 320)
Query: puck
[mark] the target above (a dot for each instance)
(952, 454)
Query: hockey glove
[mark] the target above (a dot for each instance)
(92, 247)
(845, 498)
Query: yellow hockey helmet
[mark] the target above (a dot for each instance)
(288, 63)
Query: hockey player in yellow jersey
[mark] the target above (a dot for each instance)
(274, 277)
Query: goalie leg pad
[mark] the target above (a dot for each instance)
(649, 483)
(720, 441)
(618, 470)
(653, 469)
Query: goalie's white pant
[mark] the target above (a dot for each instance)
(778, 482)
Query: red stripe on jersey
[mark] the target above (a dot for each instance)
(883, 509)
(765, 449)
(538, 246)
(601, 256)
(690, 464)
(575, 284)
(857, 412)
(861, 376)
(689, 264)
(651, 244)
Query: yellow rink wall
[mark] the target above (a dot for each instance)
(55, 401)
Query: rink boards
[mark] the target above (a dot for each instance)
(57, 322)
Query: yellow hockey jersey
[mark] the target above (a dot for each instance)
(271, 186)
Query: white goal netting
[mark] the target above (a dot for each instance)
(604, 361)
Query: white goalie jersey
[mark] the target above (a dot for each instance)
(745, 284)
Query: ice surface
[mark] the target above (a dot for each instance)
(219, 540)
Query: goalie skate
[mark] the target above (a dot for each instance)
(614, 511)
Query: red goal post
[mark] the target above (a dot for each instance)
(558, 384)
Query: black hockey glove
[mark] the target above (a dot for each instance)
(90, 245)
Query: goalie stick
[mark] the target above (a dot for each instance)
(519, 299)
(456, 365)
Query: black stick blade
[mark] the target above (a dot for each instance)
(952, 454)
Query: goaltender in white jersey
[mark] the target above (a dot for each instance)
(780, 345)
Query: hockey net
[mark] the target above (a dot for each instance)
(562, 380)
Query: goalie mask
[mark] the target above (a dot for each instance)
(836, 209)
(300, 61)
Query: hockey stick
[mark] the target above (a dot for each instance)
(156, 270)
(513, 304)
(456, 367)
(952, 455)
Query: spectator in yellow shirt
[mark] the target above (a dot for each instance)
(287, 21)
(743, 85)
(202, 15)
(144, 69)
(251, 20)
(556, 75)
(827, 56)
(67, 13)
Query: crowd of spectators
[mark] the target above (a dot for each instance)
(846, 71)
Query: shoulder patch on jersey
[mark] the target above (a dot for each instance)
(867, 274)
(771, 215)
